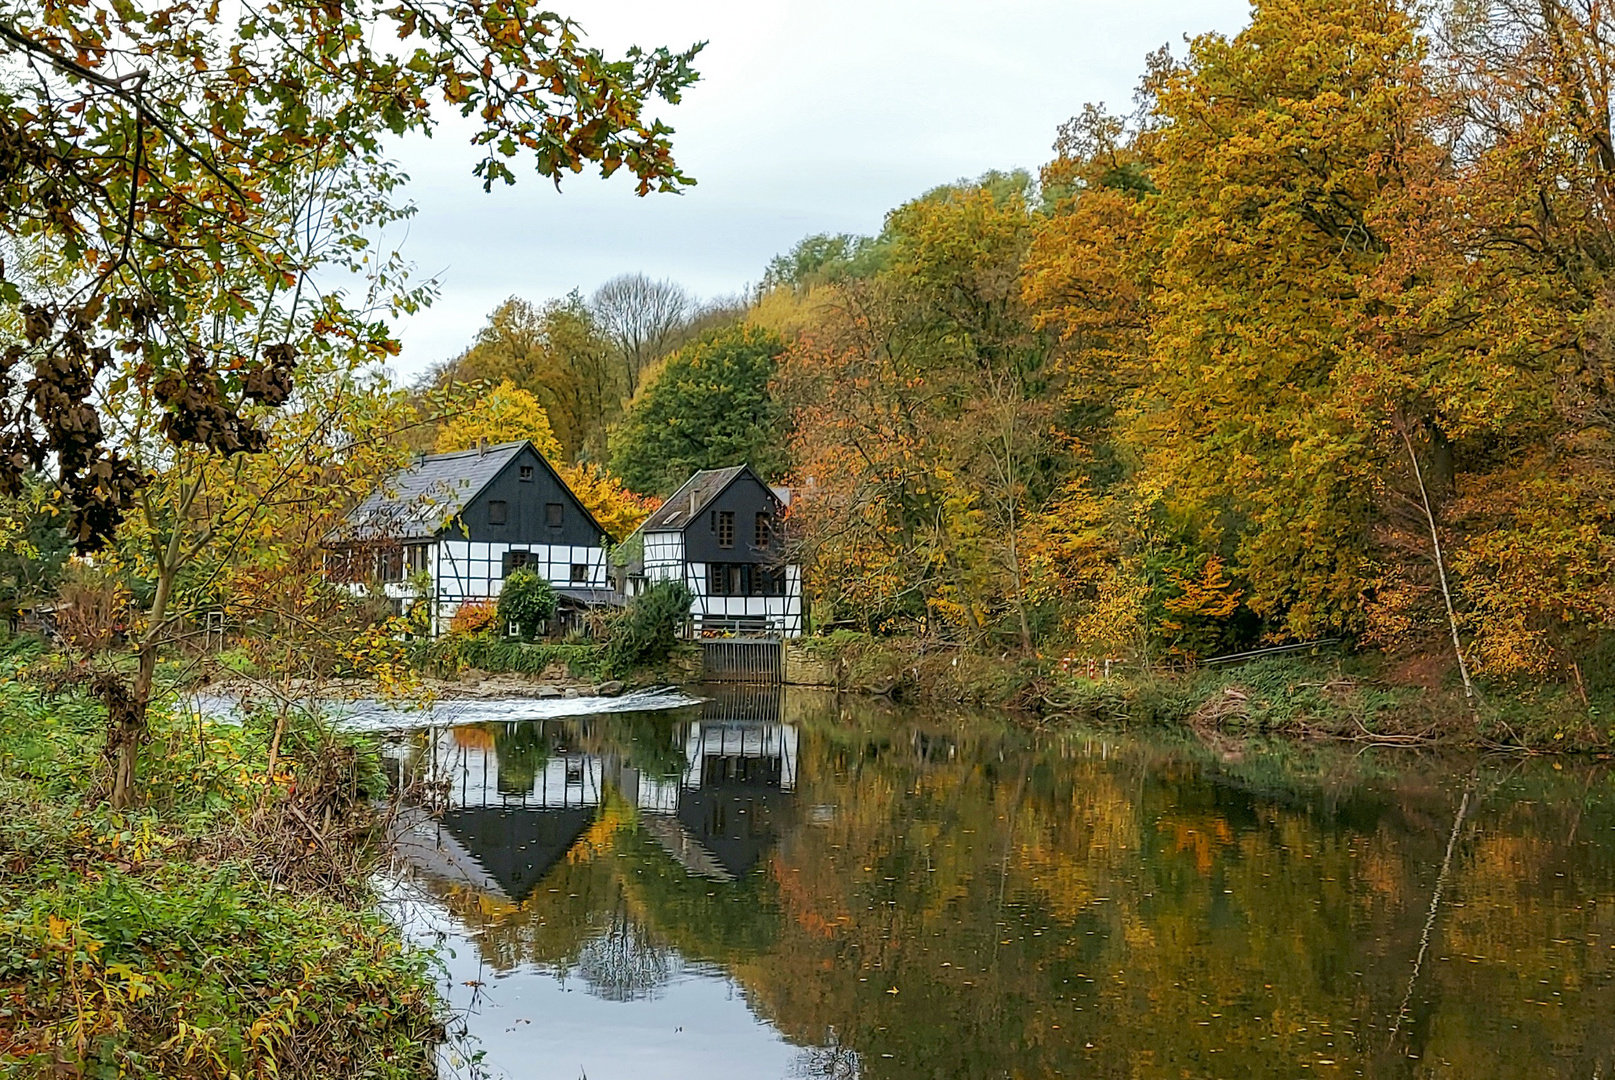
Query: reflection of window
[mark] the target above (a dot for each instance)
(726, 528)
(580, 571)
(514, 560)
(764, 531)
(498, 512)
(552, 515)
(527, 474)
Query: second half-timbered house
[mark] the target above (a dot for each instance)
(723, 533)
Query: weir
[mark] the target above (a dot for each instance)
(738, 659)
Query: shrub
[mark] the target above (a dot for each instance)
(528, 601)
(646, 633)
(474, 617)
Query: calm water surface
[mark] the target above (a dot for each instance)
(765, 886)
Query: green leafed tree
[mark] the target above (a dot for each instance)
(527, 601)
(708, 407)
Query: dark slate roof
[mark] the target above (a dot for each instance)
(517, 847)
(687, 503)
(419, 501)
(591, 596)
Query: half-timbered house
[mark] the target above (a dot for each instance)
(723, 534)
(465, 521)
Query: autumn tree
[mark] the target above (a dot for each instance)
(642, 318)
(1088, 280)
(1510, 254)
(557, 353)
(182, 172)
(923, 403)
(618, 510)
(1271, 175)
(243, 533)
(503, 414)
(164, 157)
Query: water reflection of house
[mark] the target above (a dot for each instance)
(517, 804)
(519, 796)
(726, 809)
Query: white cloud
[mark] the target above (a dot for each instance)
(810, 117)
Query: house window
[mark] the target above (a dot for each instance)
(726, 528)
(580, 572)
(498, 512)
(341, 566)
(552, 515)
(390, 564)
(764, 531)
(730, 579)
(416, 557)
(526, 474)
(514, 560)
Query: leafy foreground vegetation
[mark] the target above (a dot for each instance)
(223, 929)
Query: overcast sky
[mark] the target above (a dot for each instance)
(809, 117)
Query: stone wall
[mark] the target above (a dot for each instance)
(807, 667)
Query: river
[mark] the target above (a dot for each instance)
(768, 885)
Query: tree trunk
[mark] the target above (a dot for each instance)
(129, 728)
(1441, 567)
(127, 716)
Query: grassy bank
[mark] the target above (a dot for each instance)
(223, 929)
(1337, 695)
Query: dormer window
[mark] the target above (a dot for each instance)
(498, 512)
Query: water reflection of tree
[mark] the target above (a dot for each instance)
(623, 962)
(651, 744)
(522, 749)
(1109, 906)
(831, 1061)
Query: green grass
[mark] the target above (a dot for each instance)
(199, 935)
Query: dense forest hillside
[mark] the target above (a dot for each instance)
(1312, 343)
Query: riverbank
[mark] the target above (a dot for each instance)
(1330, 694)
(225, 928)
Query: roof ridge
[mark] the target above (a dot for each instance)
(481, 451)
(718, 480)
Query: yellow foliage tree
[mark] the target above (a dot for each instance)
(618, 510)
(505, 414)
